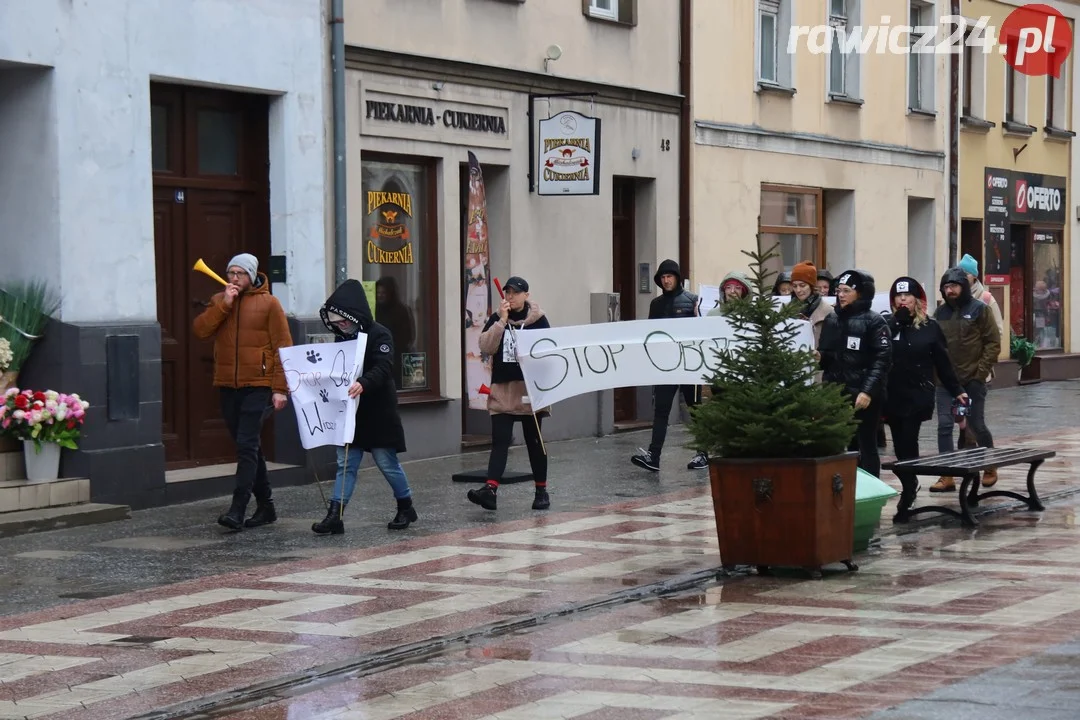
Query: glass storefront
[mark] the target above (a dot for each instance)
(400, 265)
(1046, 291)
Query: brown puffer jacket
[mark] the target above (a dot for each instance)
(247, 338)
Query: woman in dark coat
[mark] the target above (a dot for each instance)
(856, 351)
(378, 425)
(919, 351)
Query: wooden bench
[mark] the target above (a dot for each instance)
(969, 465)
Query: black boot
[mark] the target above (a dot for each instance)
(234, 517)
(541, 501)
(264, 514)
(905, 503)
(332, 524)
(405, 514)
(485, 497)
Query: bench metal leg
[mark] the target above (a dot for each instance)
(1031, 499)
(969, 489)
(906, 513)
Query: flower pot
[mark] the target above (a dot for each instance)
(44, 465)
(797, 513)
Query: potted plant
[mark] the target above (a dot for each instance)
(1022, 351)
(25, 309)
(44, 422)
(783, 483)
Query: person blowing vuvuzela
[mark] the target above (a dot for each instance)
(248, 326)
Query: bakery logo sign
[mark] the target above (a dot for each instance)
(569, 157)
(387, 212)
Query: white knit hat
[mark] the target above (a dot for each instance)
(248, 263)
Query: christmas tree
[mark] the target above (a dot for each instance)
(765, 403)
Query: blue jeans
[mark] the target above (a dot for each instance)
(387, 461)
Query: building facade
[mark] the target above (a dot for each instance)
(139, 138)
(570, 113)
(1018, 155)
(838, 157)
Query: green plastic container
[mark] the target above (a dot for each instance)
(871, 495)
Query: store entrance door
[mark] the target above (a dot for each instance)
(1018, 285)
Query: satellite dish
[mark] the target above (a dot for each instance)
(554, 52)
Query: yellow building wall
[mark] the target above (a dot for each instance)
(994, 148)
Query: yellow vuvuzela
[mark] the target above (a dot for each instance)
(201, 267)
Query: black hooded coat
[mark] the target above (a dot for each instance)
(378, 424)
(677, 303)
(855, 346)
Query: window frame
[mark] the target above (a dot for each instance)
(783, 62)
(817, 230)
(1057, 104)
(922, 65)
(849, 62)
(623, 12)
(433, 307)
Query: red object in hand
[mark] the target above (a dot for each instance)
(498, 286)
(484, 389)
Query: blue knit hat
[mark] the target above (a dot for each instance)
(969, 265)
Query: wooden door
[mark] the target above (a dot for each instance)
(624, 275)
(211, 201)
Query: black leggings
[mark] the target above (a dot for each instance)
(502, 434)
(865, 439)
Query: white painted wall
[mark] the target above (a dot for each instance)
(103, 55)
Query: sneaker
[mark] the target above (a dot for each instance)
(484, 497)
(944, 484)
(541, 501)
(698, 462)
(989, 478)
(647, 460)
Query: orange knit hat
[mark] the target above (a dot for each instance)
(804, 272)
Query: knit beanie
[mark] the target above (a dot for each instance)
(969, 265)
(804, 272)
(246, 262)
(906, 285)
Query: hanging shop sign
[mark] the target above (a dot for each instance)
(569, 155)
(389, 242)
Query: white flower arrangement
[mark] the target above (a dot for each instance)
(6, 355)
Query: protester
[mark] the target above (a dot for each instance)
(346, 313)
(508, 402)
(824, 283)
(248, 326)
(971, 267)
(856, 351)
(807, 293)
(919, 351)
(782, 286)
(974, 342)
(734, 286)
(673, 302)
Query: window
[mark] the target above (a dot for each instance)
(921, 61)
(623, 12)
(400, 260)
(844, 22)
(773, 61)
(973, 78)
(1046, 298)
(219, 142)
(604, 8)
(1015, 96)
(792, 217)
(159, 137)
(1056, 90)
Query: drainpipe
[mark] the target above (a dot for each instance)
(954, 147)
(686, 132)
(337, 64)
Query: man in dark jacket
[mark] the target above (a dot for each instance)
(856, 351)
(378, 425)
(974, 343)
(674, 302)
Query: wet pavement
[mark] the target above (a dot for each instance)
(606, 606)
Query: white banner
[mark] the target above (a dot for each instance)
(710, 297)
(559, 363)
(318, 377)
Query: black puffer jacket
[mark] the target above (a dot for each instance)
(378, 424)
(675, 304)
(917, 353)
(855, 347)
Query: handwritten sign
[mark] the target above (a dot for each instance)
(559, 363)
(318, 377)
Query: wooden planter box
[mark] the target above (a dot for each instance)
(785, 513)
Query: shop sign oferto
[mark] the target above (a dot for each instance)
(569, 158)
